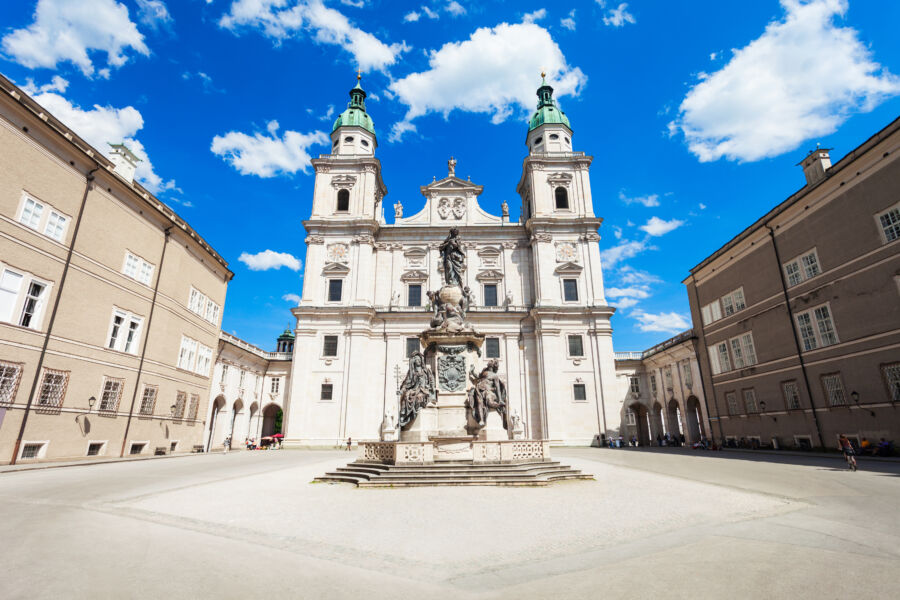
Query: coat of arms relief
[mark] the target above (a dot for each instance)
(455, 207)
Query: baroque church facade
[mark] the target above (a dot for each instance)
(537, 288)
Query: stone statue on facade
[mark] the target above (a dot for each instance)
(417, 389)
(468, 300)
(398, 210)
(451, 167)
(488, 392)
(453, 259)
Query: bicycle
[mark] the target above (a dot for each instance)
(851, 459)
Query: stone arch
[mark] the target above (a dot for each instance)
(214, 420)
(641, 427)
(252, 417)
(343, 200)
(561, 195)
(673, 417)
(657, 420)
(693, 418)
(271, 420)
(234, 425)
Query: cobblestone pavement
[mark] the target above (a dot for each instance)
(654, 523)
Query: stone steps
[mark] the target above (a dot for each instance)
(538, 473)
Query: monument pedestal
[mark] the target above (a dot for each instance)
(493, 428)
(423, 427)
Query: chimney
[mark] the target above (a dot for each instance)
(124, 160)
(815, 165)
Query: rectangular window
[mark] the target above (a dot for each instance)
(136, 448)
(820, 335)
(241, 379)
(733, 302)
(750, 401)
(10, 285)
(731, 400)
(414, 295)
(805, 266)
(580, 392)
(490, 294)
(576, 347)
(687, 374)
(412, 346)
(891, 375)
(327, 391)
(145, 273)
(124, 332)
(180, 402)
(139, 269)
(53, 388)
(10, 376)
(711, 313)
(335, 287)
(94, 448)
(330, 345)
(187, 354)
(198, 303)
(791, 395)
(743, 353)
(276, 385)
(629, 417)
(194, 407)
(33, 305)
(148, 399)
(718, 358)
(32, 450)
(56, 226)
(31, 213)
(635, 384)
(834, 389)
(111, 394)
(653, 385)
(492, 347)
(890, 224)
(204, 360)
(570, 290)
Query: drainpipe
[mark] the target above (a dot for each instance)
(137, 381)
(787, 302)
(89, 178)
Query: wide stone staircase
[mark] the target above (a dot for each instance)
(369, 474)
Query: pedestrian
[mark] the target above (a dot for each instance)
(349, 442)
(226, 445)
(633, 442)
(659, 440)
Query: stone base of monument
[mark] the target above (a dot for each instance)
(424, 426)
(453, 461)
(493, 428)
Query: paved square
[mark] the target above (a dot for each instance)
(678, 524)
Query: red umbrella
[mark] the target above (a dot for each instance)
(278, 435)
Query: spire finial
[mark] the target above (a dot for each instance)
(358, 73)
(543, 75)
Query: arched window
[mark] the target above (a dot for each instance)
(562, 198)
(343, 200)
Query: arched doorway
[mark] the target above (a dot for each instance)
(236, 408)
(272, 417)
(217, 406)
(641, 427)
(673, 417)
(251, 417)
(694, 420)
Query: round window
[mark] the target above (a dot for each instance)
(364, 142)
(553, 136)
(348, 140)
(538, 141)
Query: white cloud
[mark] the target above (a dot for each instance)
(100, 126)
(455, 8)
(269, 259)
(280, 19)
(431, 14)
(631, 276)
(493, 72)
(664, 322)
(657, 227)
(702, 206)
(354, 3)
(293, 298)
(70, 30)
(618, 17)
(267, 155)
(713, 55)
(569, 22)
(154, 14)
(411, 17)
(623, 303)
(638, 292)
(534, 16)
(648, 201)
(57, 84)
(802, 78)
(622, 251)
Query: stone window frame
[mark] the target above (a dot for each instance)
(101, 451)
(583, 385)
(499, 347)
(893, 394)
(409, 285)
(110, 406)
(826, 379)
(60, 396)
(47, 210)
(731, 404)
(565, 181)
(337, 347)
(811, 314)
(796, 270)
(326, 382)
(569, 355)
(328, 299)
(882, 231)
(748, 395)
(408, 343)
(496, 284)
(41, 451)
(742, 352)
(13, 377)
(22, 294)
(342, 182)
(152, 407)
(788, 404)
(562, 288)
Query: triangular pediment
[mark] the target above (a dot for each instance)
(414, 275)
(335, 269)
(452, 183)
(489, 275)
(568, 267)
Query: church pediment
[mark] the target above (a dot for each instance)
(489, 275)
(450, 184)
(568, 268)
(414, 275)
(335, 269)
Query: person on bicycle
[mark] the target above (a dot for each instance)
(847, 450)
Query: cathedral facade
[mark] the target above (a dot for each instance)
(536, 283)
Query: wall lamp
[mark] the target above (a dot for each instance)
(762, 407)
(854, 395)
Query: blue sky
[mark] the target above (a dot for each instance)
(696, 114)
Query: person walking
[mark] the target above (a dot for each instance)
(349, 443)
(226, 445)
(847, 450)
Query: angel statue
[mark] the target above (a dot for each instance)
(417, 389)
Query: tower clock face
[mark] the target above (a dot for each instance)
(337, 253)
(566, 252)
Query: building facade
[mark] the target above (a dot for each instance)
(109, 301)
(249, 392)
(537, 287)
(798, 317)
(661, 392)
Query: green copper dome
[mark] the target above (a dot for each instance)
(547, 110)
(287, 335)
(355, 115)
